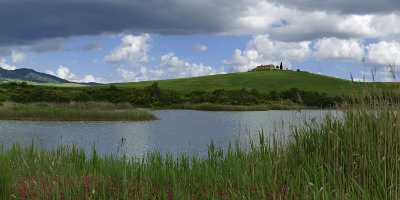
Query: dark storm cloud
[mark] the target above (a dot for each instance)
(5, 52)
(24, 21)
(47, 45)
(345, 6)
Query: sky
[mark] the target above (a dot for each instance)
(135, 40)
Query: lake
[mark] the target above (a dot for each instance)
(176, 131)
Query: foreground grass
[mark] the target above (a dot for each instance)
(357, 157)
(73, 112)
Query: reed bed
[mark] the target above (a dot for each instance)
(73, 112)
(354, 157)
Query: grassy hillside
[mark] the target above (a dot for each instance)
(264, 81)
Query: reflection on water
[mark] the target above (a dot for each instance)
(176, 131)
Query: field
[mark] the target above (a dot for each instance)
(356, 157)
(265, 81)
(89, 111)
(240, 91)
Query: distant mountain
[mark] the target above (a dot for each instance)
(24, 74)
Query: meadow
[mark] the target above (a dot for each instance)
(354, 157)
(88, 111)
(265, 82)
(262, 90)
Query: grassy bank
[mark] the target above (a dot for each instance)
(73, 112)
(357, 157)
(221, 107)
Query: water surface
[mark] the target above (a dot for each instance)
(177, 131)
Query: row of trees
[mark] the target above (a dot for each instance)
(154, 96)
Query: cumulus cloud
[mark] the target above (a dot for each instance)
(268, 18)
(89, 79)
(133, 49)
(141, 73)
(65, 73)
(131, 58)
(384, 53)
(334, 48)
(174, 67)
(4, 65)
(170, 67)
(262, 50)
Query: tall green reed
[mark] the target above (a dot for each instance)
(351, 157)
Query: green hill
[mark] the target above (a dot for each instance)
(263, 81)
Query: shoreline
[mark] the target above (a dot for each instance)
(336, 153)
(232, 108)
(78, 112)
(104, 111)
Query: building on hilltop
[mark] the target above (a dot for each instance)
(267, 68)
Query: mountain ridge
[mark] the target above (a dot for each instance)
(26, 74)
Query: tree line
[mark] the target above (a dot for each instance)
(153, 96)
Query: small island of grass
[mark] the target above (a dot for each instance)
(73, 112)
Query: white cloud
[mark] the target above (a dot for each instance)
(338, 49)
(88, 79)
(286, 23)
(262, 50)
(384, 53)
(65, 73)
(133, 49)
(174, 67)
(17, 57)
(4, 65)
(200, 47)
(132, 56)
(386, 25)
(170, 67)
(140, 74)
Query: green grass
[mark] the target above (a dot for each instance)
(73, 112)
(283, 105)
(357, 157)
(265, 81)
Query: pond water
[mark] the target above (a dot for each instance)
(176, 131)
